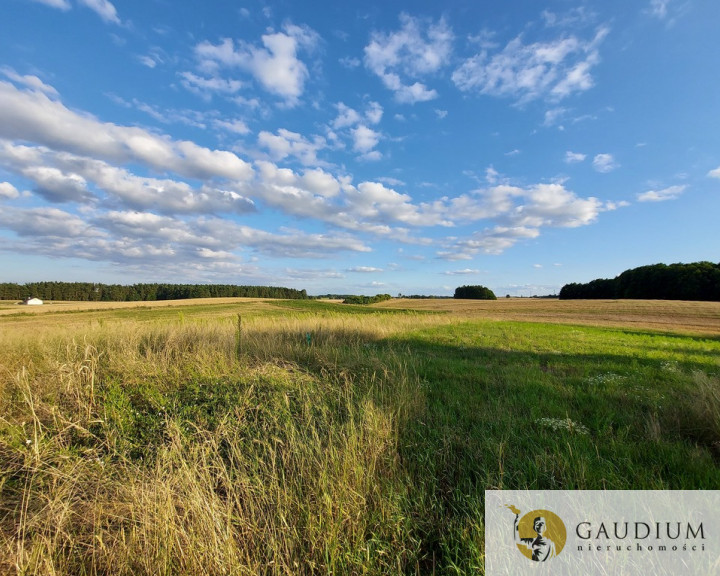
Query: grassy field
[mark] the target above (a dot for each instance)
(304, 437)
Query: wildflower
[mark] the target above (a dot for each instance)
(563, 424)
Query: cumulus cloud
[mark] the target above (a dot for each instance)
(275, 65)
(33, 117)
(669, 193)
(400, 58)
(346, 117)
(8, 191)
(66, 177)
(605, 163)
(364, 139)
(554, 69)
(352, 125)
(286, 144)
(45, 223)
(29, 81)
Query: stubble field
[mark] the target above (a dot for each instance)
(307, 437)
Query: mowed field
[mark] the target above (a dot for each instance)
(238, 436)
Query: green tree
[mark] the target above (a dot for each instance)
(474, 293)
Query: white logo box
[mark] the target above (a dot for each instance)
(607, 532)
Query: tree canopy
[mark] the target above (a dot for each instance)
(474, 293)
(696, 281)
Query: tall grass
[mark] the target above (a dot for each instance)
(324, 442)
(160, 451)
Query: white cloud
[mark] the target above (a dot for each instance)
(491, 241)
(148, 61)
(491, 175)
(374, 113)
(669, 193)
(364, 139)
(714, 173)
(104, 9)
(33, 117)
(286, 144)
(235, 126)
(32, 82)
(463, 272)
(536, 206)
(572, 18)
(57, 186)
(275, 65)
(8, 191)
(59, 4)
(364, 269)
(206, 86)
(554, 69)
(65, 177)
(659, 8)
(415, 51)
(44, 222)
(605, 163)
(346, 117)
(574, 157)
(553, 116)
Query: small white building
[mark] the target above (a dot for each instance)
(32, 302)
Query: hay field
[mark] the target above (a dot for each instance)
(665, 315)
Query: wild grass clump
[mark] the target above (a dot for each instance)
(157, 450)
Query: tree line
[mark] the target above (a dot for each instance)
(695, 281)
(367, 299)
(94, 292)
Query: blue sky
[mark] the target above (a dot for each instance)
(357, 147)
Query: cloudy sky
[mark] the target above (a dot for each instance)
(357, 147)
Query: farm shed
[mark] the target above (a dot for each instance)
(32, 302)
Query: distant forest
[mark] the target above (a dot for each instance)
(93, 292)
(696, 281)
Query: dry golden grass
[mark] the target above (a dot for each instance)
(664, 315)
(9, 307)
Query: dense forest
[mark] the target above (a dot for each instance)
(94, 292)
(696, 281)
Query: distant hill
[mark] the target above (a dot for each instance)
(696, 281)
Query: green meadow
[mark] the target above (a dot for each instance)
(309, 437)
